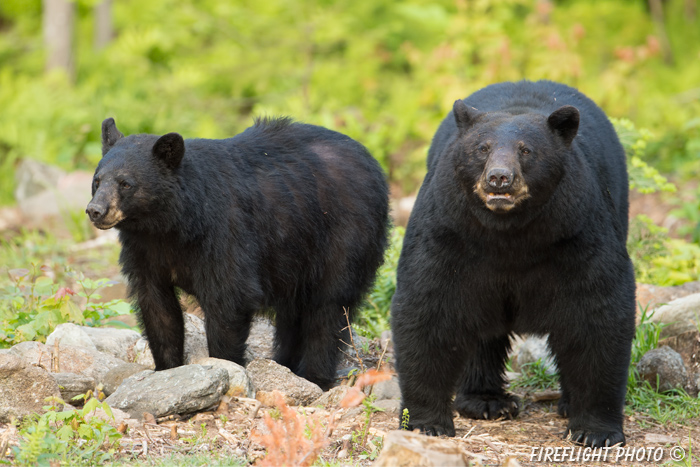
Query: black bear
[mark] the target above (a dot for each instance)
(284, 217)
(520, 227)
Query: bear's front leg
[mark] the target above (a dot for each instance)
(481, 394)
(594, 368)
(162, 321)
(429, 360)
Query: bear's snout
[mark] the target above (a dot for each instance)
(96, 211)
(500, 177)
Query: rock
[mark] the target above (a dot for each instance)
(113, 341)
(117, 417)
(687, 344)
(72, 335)
(23, 388)
(386, 340)
(651, 296)
(680, 315)
(195, 344)
(387, 390)
(114, 377)
(390, 406)
(268, 376)
(240, 384)
(43, 190)
(530, 349)
(261, 339)
(67, 359)
(72, 385)
(666, 364)
(332, 397)
(182, 390)
(142, 354)
(406, 449)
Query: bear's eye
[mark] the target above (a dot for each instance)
(97, 183)
(525, 151)
(125, 185)
(483, 148)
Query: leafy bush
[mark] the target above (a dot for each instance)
(33, 305)
(72, 437)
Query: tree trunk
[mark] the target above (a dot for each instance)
(657, 15)
(58, 19)
(103, 24)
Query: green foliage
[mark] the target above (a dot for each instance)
(73, 437)
(535, 376)
(384, 72)
(670, 406)
(373, 318)
(643, 178)
(33, 305)
(659, 259)
(405, 419)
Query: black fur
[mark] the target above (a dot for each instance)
(519, 227)
(284, 216)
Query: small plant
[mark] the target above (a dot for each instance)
(33, 305)
(536, 376)
(405, 419)
(293, 439)
(71, 437)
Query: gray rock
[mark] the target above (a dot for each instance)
(112, 341)
(687, 344)
(23, 388)
(403, 448)
(680, 315)
(114, 377)
(72, 385)
(43, 190)
(665, 364)
(69, 334)
(67, 359)
(387, 390)
(269, 376)
(33, 177)
(261, 339)
(142, 354)
(240, 384)
(332, 397)
(390, 406)
(182, 390)
(529, 350)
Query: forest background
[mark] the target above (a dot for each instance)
(384, 72)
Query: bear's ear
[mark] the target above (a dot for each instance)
(110, 135)
(464, 115)
(170, 149)
(564, 122)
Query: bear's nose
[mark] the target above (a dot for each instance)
(95, 211)
(500, 177)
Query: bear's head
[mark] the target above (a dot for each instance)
(135, 183)
(511, 162)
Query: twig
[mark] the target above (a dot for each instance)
(352, 340)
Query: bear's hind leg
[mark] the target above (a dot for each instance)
(322, 330)
(481, 394)
(288, 337)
